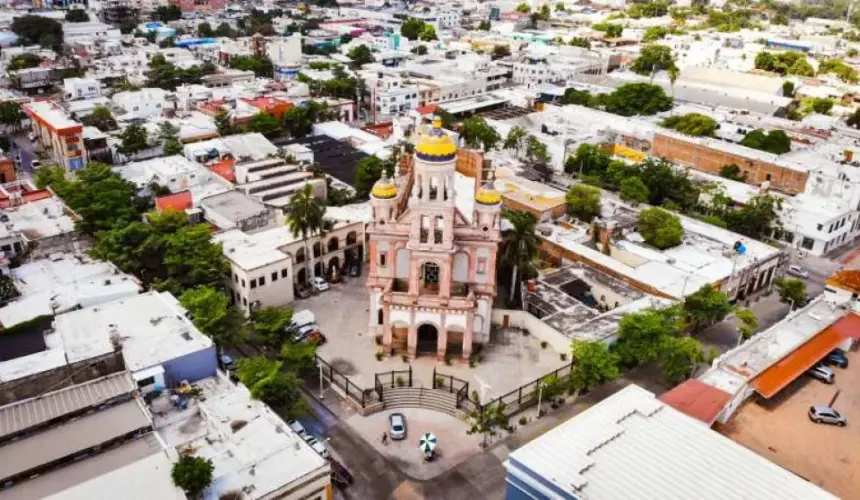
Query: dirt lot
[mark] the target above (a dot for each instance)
(780, 430)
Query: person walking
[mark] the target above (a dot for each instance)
(384, 437)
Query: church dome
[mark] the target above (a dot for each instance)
(436, 145)
(488, 195)
(384, 189)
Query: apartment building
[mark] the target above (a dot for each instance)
(82, 88)
(58, 134)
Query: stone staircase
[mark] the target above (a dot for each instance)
(420, 397)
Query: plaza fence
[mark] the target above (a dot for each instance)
(546, 386)
(355, 393)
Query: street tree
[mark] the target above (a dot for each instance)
(536, 151)
(791, 291)
(478, 134)
(678, 357)
(192, 474)
(488, 422)
(660, 229)
(519, 245)
(192, 259)
(299, 357)
(640, 334)
(653, 58)
(757, 218)
(706, 306)
(305, 217)
(516, 136)
(633, 190)
(360, 56)
(283, 393)
(256, 371)
(583, 202)
(270, 322)
(211, 313)
(11, 114)
(593, 364)
(747, 323)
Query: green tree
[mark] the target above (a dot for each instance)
(580, 42)
(757, 218)
(428, 33)
(838, 67)
(205, 30)
(299, 358)
(420, 50)
(748, 323)
(652, 8)
(191, 259)
(168, 13)
(487, 422)
(775, 141)
(611, 30)
(192, 474)
(11, 114)
(38, 30)
(706, 306)
(791, 291)
(593, 364)
(732, 172)
(583, 202)
(640, 334)
(678, 357)
(788, 88)
(654, 33)
(412, 28)
(852, 121)
(77, 16)
(654, 57)
(500, 51)
(265, 124)
(23, 61)
(637, 99)
(523, 8)
(256, 371)
(588, 160)
(169, 133)
(579, 97)
(544, 13)
(305, 217)
(484, 25)
(101, 118)
(367, 172)
(516, 136)
(519, 245)
(633, 190)
(667, 184)
(224, 30)
(477, 134)
(270, 323)
(822, 105)
(134, 139)
(536, 151)
(283, 393)
(694, 124)
(660, 228)
(261, 66)
(224, 124)
(212, 315)
(360, 56)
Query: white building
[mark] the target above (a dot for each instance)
(140, 104)
(89, 32)
(175, 173)
(82, 88)
(633, 442)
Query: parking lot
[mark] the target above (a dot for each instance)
(780, 430)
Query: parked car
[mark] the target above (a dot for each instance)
(316, 445)
(301, 292)
(340, 476)
(826, 415)
(302, 333)
(397, 426)
(355, 270)
(798, 271)
(836, 357)
(226, 362)
(822, 373)
(319, 284)
(297, 427)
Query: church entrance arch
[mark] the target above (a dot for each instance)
(428, 336)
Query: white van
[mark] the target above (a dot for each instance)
(302, 318)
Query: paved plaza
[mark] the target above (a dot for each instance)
(509, 361)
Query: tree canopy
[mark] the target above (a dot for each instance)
(361, 55)
(637, 99)
(707, 305)
(212, 314)
(775, 141)
(367, 172)
(24, 61)
(784, 63)
(77, 16)
(660, 228)
(791, 291)
(412, 28)
(652, 8)
(519, 247)
(192, 474)
(838, 67)
(633, 190)
(583, 202)
(479, 134)
(265, 124)
(261, 66)
(653, 58)
(134, 139)
(611, 30)
(38, 30)
(101, 118)
(593, 364)
(694, 124)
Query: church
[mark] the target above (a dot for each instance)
(433, 245)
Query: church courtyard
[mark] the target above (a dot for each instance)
(509, 361)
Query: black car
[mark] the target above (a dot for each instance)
(836, 357)
(339, 475)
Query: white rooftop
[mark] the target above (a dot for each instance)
(52, 114)
(39, 219)
(633, 445)
(250, 251)
(244, 147)
(258, 457)
(63, 282)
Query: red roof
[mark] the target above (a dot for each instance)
(177, 201)
(426, 110)
(775, 378)
(848, 325)
(698, 400)
(27, 196)
(225, 169)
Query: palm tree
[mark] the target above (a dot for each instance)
(519, 243)
(306, 216)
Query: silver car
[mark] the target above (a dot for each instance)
(397, 426)
(822, 373)
(316, 445)
(826, 415)
(798, 271)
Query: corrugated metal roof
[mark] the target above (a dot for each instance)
(633, 446)
(29, 413)
(697, 399)
(775, 378)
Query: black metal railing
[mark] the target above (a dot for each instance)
(352, 391)
(394, 378)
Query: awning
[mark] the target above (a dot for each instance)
(775, 378)
(848, 325)
(144, 374)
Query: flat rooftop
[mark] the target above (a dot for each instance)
(251, 447)
(225, 209)
(244, 147)
(336, 158)
(39, 219)
(250, 251)
(52, 114)
(71, 438)
(632, 442)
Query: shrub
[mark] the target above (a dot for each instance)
(192, 474)
(379, 355)
(543, 344)
(523, 420)
(448, 359)
(404, 358)
(400, 382)
(440, 382)
(660, 228)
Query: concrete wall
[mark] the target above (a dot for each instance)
(191, 367)
(536, 327)
(705, 159)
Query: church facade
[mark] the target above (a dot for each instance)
(432, 268)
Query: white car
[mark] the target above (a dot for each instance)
(319, 284)
(297, 427)
(34, 164)
(798, 271)
(316, 445)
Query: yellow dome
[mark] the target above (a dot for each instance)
(384, 189)
(488, 195)
(436, 145)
